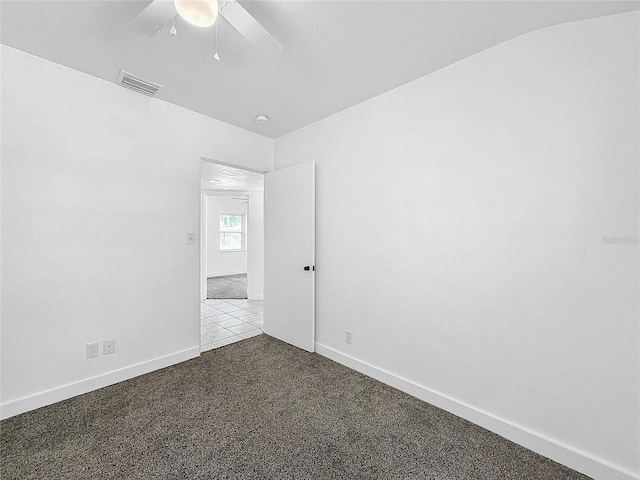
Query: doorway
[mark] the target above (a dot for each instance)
(226, 248)
(232, 246)
(281, 227)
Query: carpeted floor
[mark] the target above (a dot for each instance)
(258, 409)
(228, 286)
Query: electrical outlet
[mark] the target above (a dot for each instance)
(347, 337)
(92, 350)
(109, 346)
(191, 238)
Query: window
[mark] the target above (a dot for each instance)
(231, 232)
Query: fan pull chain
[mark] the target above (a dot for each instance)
(216, 57)
(173, 30)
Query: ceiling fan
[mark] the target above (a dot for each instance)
(204, 13)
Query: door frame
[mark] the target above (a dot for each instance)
(203, 218)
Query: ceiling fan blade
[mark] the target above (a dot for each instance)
(155, 16)
(249, 27)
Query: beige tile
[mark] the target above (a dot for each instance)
(214, 301)
(221, 317)
(210, 328)
(229, 308)
(218, 335)
(241, 328)
(249, 317)
(228, 341)
(251, 333)
(230, 322)
(238, 301)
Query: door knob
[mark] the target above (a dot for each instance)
(307, 268)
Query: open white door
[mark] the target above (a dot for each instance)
(289, 255)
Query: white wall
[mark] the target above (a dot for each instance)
(255, 247)
(99, 187)
(460, 231)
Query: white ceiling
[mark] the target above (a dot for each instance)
(336, 53)
(217, 177)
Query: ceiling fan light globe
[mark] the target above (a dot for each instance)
(201, 13)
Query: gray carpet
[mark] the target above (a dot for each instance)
(258, 409)
(228, 286)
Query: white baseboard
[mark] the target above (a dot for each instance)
(564, 454)
(47, 397)
(223, 274)
(255, 296)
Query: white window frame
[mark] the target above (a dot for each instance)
(243, 234)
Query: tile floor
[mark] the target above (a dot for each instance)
(227, 321)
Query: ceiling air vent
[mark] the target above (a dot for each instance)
(138, 84)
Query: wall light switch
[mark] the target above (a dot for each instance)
(191, 238)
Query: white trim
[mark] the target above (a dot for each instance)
(227, 193)
(251, 296)
(539, 443)
(57, 394)
(223, 274)
(233, 165)
(203, 246)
